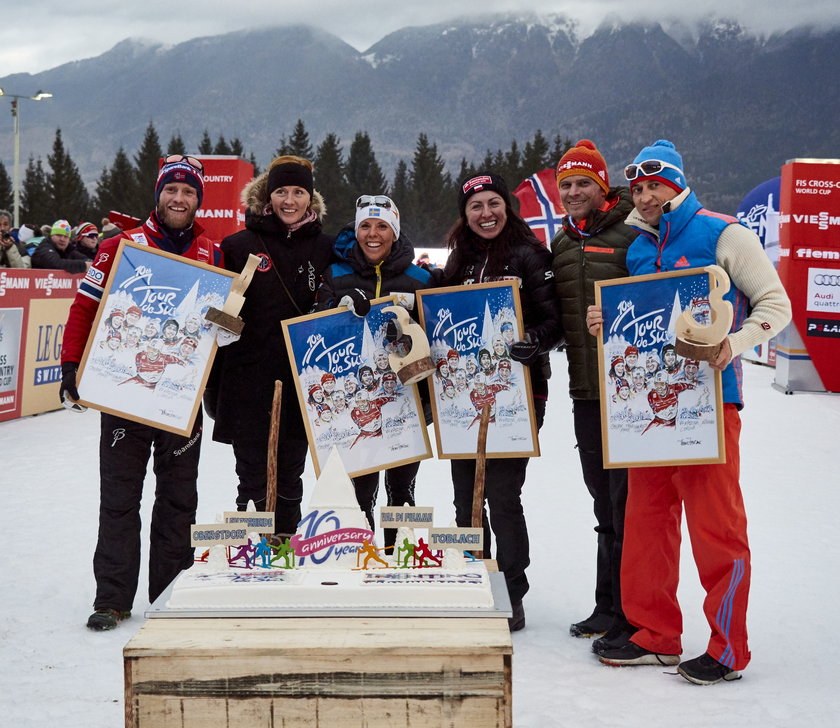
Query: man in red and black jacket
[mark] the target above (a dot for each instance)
(125, 446)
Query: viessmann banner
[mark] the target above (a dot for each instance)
(221, 212)
(809, 262)
(33, 310)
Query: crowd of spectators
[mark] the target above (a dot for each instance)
(54, 247)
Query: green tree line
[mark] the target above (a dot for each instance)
(424, 190)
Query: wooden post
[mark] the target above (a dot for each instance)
(480, 466)
(273, 436)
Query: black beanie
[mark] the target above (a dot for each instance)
(480, 183)
(290, 173)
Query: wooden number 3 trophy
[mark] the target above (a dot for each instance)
(416, 363)
(697, 339)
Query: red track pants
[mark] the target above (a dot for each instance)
(717, 526)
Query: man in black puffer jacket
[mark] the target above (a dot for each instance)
(591, 247)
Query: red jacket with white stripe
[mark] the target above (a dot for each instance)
(85, 305)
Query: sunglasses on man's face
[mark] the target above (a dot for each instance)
(378, 200)
(646, 168)
(192, 161)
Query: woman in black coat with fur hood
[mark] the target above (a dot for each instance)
(283, 228)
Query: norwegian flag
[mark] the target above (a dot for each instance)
(539, 204)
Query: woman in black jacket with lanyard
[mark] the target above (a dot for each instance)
(283, 228)
(374, 261)
(490, 242)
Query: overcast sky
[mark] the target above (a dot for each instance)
(36, 35)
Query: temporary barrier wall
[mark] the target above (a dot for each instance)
(809, 266)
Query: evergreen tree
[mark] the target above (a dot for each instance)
(36, 207)
(100, 204)
(432, 201)
(512, 169)
(297, 144)
(283, 148)
(147, 164)
(400, 189)
(559, 148)
(364, 175)
(222, 147)
(331, 182)
(205, 147)
(488, 162)
(253, 160)
(176, 145)
(236, 148)
(7, 192)
(536, 155)
(465, 170)
(116, 189)
(499, 164)
(68, 196)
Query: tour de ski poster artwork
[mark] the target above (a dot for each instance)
(470, 331)
(657, 408)
(150, 350)
(349, 395)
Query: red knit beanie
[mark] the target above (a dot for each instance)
(584, 159)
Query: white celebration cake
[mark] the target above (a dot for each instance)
(331, 563)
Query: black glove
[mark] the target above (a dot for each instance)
(435, 271)
(527, 350)
(67, 392)
(357, 301)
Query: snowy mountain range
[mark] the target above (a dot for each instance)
(738, 105)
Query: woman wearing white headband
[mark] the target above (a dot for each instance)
(375, 261)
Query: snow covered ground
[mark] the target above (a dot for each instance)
(53, 671)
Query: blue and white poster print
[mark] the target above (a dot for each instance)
(657, 408)
(349, 396)
(470, 331)
(150, 350)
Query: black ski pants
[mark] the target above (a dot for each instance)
(251, 455)
(124, 450)
(503, 482)
(608, 489)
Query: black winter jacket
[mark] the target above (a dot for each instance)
(46, 255)
(580, 260)
(241, 385)
(396, 274)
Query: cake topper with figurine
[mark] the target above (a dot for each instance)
(333, 564)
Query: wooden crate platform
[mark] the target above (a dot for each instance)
(307, 672)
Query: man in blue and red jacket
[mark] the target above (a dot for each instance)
(676, 232)
(125, 446)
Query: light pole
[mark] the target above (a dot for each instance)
(40, 96)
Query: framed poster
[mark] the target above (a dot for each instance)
(150, 350)
(470, 331)
(656, 407)
(349, 396)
